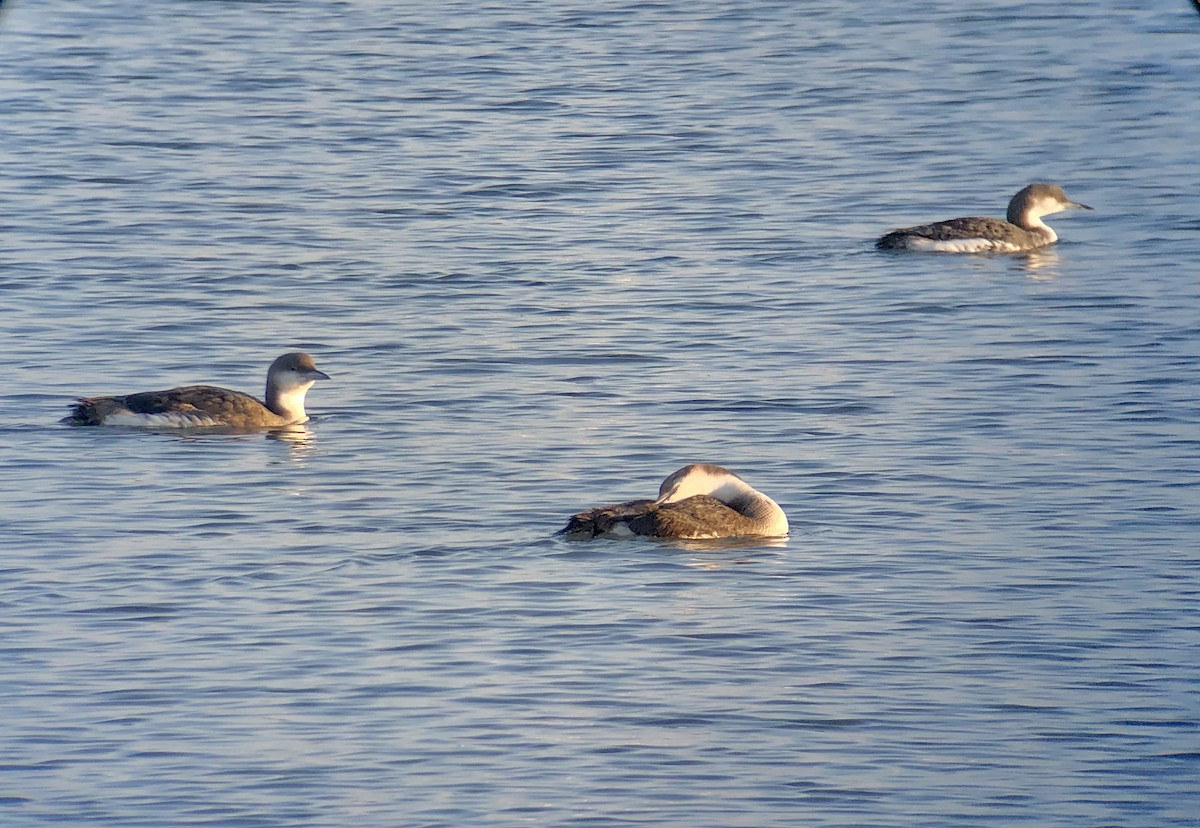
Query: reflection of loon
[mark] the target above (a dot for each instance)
(288, 380)
(1024, 229)
(698, 501)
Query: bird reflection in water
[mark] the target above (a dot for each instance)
(1042, 265)
(298, 438)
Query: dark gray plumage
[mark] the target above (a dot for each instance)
(1023, 229)
(698, 501)
(191, 406)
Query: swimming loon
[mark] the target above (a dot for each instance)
(1024, 229)
(698, 501)
(192, 406)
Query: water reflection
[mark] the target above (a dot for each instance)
(298, 435)
(1041, 264)
(722, 544)
(298, 438)
(706, 554)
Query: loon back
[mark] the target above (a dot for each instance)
(973, 234)
(191, 406)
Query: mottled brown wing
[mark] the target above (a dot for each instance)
(696, 517)
(90, 410)
(197, 399)
(602, 519)
(973, 227)
(230, 407)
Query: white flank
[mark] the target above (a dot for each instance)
(620, 529)
(128, 418)
(979, 245)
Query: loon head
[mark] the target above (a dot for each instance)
(288, 380)
(1037, 200)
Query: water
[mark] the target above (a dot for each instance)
(549, 253)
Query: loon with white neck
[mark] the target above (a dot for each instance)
(200, 406)
(1024, 229)
(699, 501)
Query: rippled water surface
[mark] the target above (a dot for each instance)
(549, 253)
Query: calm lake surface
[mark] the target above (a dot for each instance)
(549, 252)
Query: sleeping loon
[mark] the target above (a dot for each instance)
(193, 406)
(697, 502)
(1024, 229)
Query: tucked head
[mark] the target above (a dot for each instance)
(702, 479)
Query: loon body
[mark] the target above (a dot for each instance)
(699, 501)
(1023, 229)
(197, 406)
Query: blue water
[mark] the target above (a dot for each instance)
(549, 253)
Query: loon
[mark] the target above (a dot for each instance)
(1024, 229)
(699, 501)
(195, 406)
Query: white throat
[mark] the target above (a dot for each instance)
(290, 402)
(1034, 224)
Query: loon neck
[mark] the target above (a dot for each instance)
(765, 512)
(1032, 222)
(288, 402)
